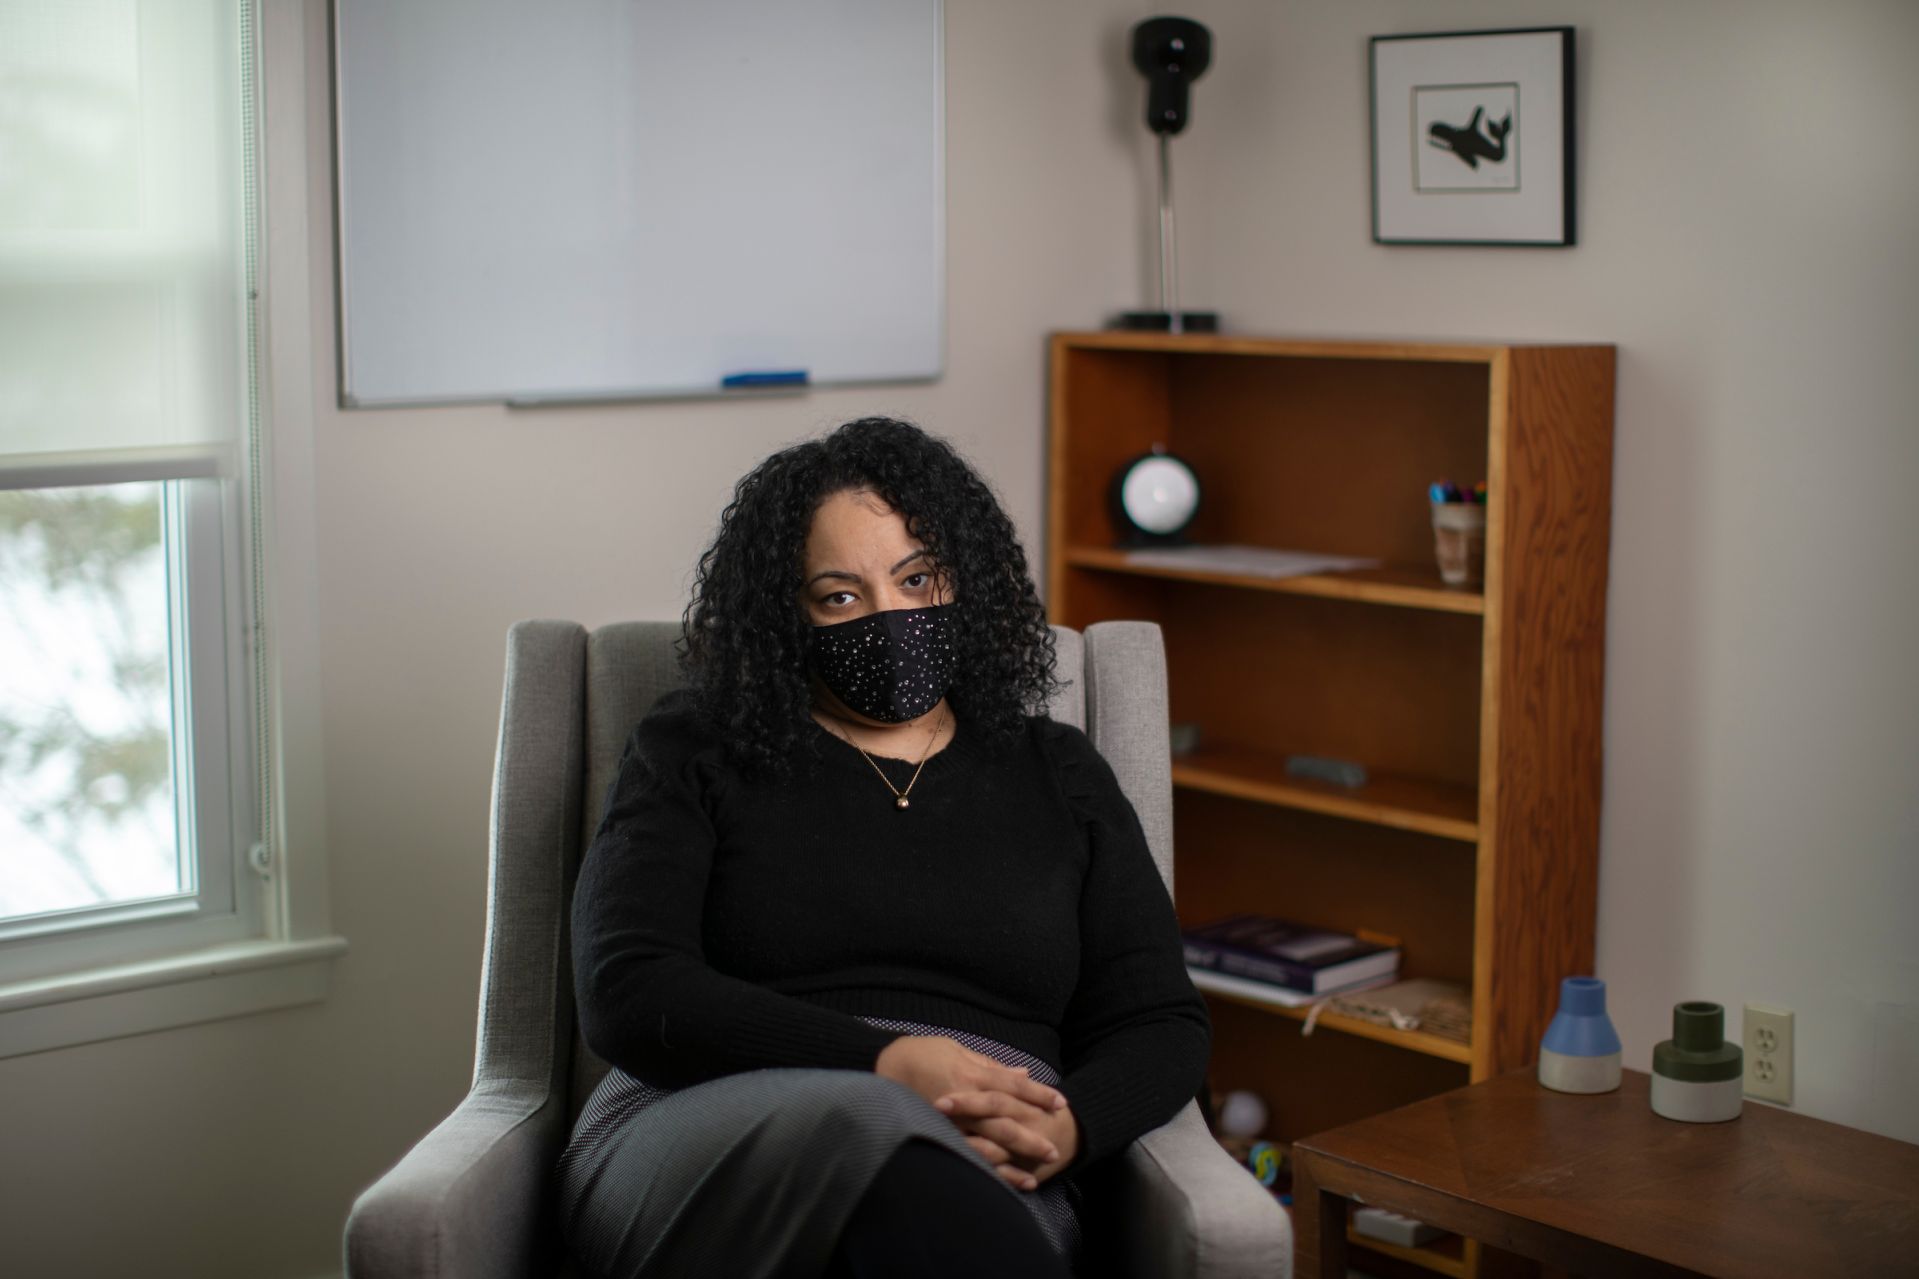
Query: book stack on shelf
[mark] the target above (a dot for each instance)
(1283, 963)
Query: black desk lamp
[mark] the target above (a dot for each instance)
(1171, 53)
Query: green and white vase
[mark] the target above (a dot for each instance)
(1697, 1077)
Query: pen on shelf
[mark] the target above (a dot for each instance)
(1444, 491)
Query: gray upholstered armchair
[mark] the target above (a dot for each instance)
(476, 1196)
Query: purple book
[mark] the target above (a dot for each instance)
(1281, 953)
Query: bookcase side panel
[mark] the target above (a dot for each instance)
(1547, 621)
(1110, 406)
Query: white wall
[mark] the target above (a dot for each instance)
(1748, 204)
(1749, 237)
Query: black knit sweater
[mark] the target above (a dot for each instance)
(723, 925)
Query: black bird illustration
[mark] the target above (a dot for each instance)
(1469, 144)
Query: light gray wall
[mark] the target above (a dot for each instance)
(1747, 206)
(1749, 237)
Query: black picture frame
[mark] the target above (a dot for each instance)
(1502, 176)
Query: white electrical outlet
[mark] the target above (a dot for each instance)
(1768, 1044)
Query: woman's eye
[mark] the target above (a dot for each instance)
(838, 598)
(915, 582)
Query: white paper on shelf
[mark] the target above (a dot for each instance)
(1246, 561)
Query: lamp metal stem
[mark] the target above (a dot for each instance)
(1168, 265)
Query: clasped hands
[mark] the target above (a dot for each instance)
(1022, 1127)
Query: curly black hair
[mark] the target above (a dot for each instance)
(744, 636)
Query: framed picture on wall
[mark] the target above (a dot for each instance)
(1473, 137)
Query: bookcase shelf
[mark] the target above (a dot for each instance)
(1476, 712)
(1407, 803)
(1448, 1256)
(1396, 584)
(1410, 1040)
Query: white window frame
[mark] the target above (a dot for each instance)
(131, 971)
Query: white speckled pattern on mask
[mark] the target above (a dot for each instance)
(891, 666)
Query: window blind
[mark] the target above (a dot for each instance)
(122, 245)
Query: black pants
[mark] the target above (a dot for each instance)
(929, 1213)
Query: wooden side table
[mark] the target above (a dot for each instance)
(1602, 1186)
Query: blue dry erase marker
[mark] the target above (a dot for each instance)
(1439, 492)
(773, 377)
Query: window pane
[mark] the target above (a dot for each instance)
(87, 811)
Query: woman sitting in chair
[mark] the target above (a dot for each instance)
(877, 953)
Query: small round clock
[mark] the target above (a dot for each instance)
(1155, 497)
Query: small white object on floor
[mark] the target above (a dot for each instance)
(1242, 1114)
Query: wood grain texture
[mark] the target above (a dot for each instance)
(1400, 585)
(1232, 856)
(1310, 348)
(1491, 706)
(1545, 662)
(1408, 803)
(1445, 1256)
(1478, 713)
(1108, 407)
(1319, 1223)
(1396, 690)
(1328, 1077)
(1407, 1040)
(1601, 1185)
(1079, 598)
(1325, 454)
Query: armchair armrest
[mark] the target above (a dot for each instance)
(467, 1200)
(1186, 1210)
(473, 1197)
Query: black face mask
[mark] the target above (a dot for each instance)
(891, 666)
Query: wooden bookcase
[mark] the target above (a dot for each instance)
(1477, 712)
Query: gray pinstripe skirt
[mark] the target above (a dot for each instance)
(754, 1175)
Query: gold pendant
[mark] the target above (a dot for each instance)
(900, 802)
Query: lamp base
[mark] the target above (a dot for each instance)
(1162, 321)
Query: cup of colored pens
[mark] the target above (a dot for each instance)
(1459, 532)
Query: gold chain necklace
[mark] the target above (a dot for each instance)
(899, 796)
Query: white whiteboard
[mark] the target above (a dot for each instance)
(585, 199)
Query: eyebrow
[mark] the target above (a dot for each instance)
(854, 577)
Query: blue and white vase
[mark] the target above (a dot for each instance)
(1580, 1052)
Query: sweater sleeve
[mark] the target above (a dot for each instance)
(648, 1002)
(1136, 1037)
